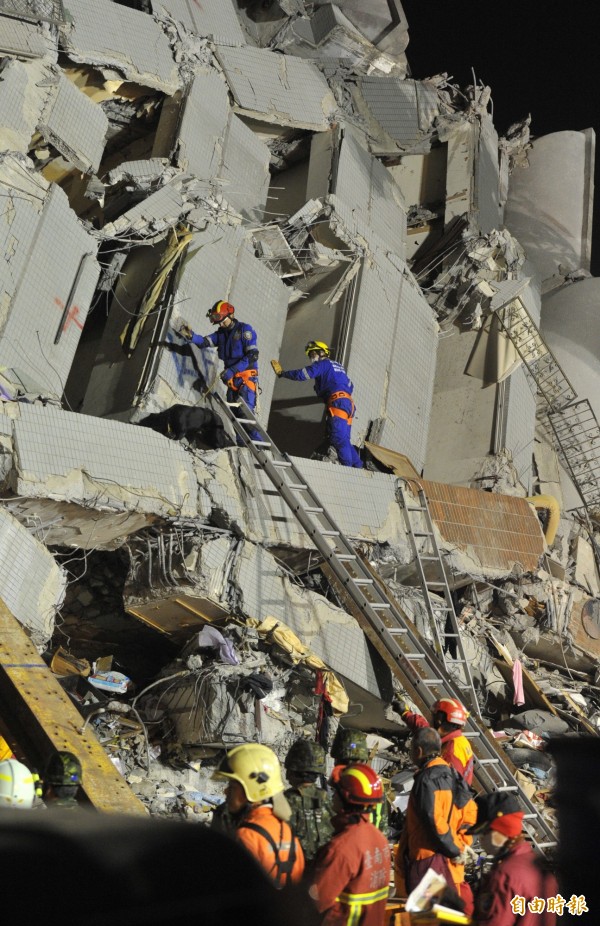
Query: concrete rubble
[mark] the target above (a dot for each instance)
(159, 156)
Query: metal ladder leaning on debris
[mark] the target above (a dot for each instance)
(573, 422)
(413, 510)
(414, 659)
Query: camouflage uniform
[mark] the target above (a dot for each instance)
(311, 817)
(311, 805)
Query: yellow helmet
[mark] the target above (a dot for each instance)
(256, 768)
(317, 345)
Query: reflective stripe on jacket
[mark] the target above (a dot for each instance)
(328, 375)
(351, 880)
(236, 346)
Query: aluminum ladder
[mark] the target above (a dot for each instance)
(573, 422)
(408, 656)
(413, 511)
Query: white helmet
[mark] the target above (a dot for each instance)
(17, 787)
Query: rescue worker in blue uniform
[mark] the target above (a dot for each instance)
(236, 346)
(333, 385)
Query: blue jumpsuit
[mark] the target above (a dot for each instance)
(237, 348)
(331, 378)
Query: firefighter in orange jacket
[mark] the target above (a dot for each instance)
(448, 717)
(255, 800)
(439, 810)
(352, 874)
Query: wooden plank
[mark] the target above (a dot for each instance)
(42, 718)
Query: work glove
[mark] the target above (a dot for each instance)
(277, 368)
(186, 332)
(226, 376)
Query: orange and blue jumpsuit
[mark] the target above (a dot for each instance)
(237, 348)
(352, 873)
(333, 385)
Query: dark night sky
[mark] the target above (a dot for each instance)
(538, 56)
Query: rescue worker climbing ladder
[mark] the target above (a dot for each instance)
(236, 345)
(333, 385)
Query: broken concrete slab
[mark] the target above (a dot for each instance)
(32, 584)
(48, 276)
(120, 39)
(214, 19)
(115, 470)
(21, 39)
(277, 88)
(214, 144)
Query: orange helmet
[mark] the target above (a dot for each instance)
(452, 709)
(359, 785)
(219, 311)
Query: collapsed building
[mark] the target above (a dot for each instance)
(157, 157)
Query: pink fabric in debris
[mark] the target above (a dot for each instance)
(519, 695)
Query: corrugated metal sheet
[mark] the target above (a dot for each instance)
(500, 529)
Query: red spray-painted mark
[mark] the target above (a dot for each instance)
(71, 315)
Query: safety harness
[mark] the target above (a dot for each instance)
(356, 902)
(339, 412)
(283, 868)
(248, 378)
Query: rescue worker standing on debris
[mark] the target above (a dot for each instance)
(351, 880)
(439, 806)
(516, 878)
(236, 345)
(448, 717)
(61, 781)
(311, 804)
(333, 385)
(255, 800)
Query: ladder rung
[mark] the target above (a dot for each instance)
(281, 463)
(449, 634)
(472, 735)
(430, 558)
(345, 557)
(262, 443)
(422, 534)
(488, 761)
(380, 607)
(414, 508)
(312, 509)
(414, 656)
(432, 681)
(329, 533)
(298, 486)
(546, 845)
(233, 404)
(508, 788)
(246, 420)
(396, 631)
(362, 581)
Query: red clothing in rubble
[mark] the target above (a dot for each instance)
(516, 877)
(262, 816)
(456, 748)
(352, 874)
